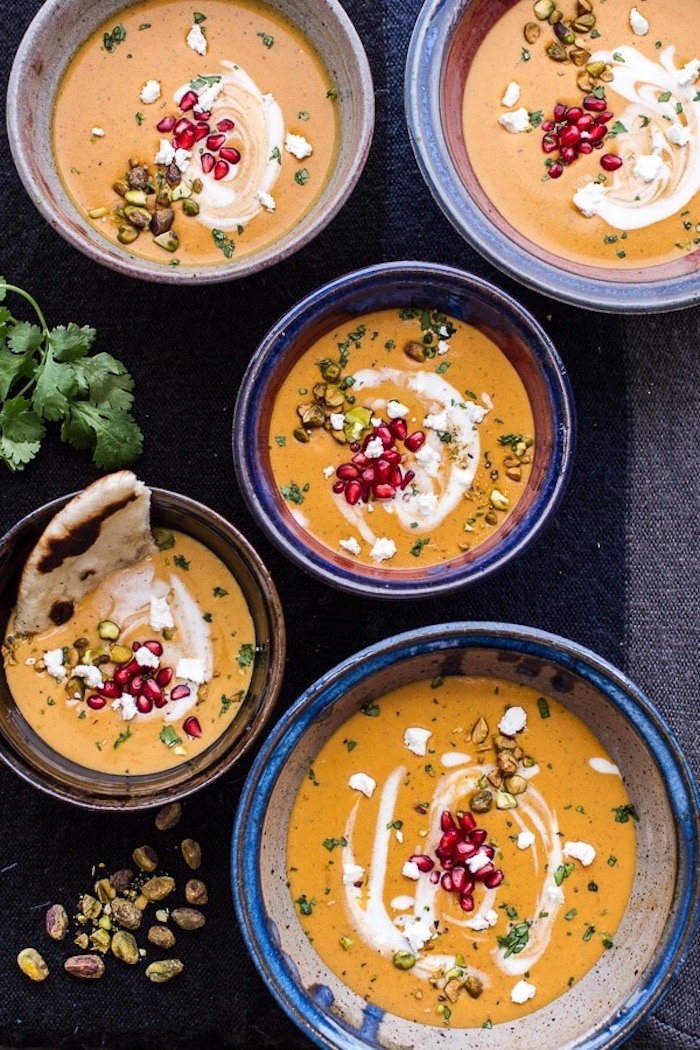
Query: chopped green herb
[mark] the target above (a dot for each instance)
(543, 707)
(122, 738)
(306, 906)
(198, 18)
(117, 36)
(268, 41)
(275, 154)
(516, 940)
(181, 562)
(139, 118)
(371, 709)
(223, 242)
(588, 933)
(302, 176)
(219, 592)
(350, 744)
(624, 813)
(563, 872)
(292, 492)
(303, 114)
(418, 546)
(169, 737)
(330, 844)
(246, 655)
(164, 539)
(207, 617)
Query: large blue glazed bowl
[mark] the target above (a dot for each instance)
(601, 1010)
(444, 39)
(396, 285)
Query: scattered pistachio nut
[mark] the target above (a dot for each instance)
(161, 936)
(158, 888)
(188, 918)
(168, 816)
(124, 947)
(88, 967)
(126, 913)
(196, 892)
(146, 858)
(121, 879)
(192, 853)
(32, 964)
(57, 922)
(163, 970)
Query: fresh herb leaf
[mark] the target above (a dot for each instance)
(246, 655)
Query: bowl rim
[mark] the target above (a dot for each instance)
(52, 784)
(81, 236)
(682, 792)
(329, 299)
(428, 47)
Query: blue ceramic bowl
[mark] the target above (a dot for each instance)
(445, 37)
(601, 1010)
(396, 285)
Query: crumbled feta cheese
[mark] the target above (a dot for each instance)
(396, 409)
(511, 95)
(648, 167)
(582, 851)
(350, 545)
(150, 92)
(443, 346)
(126, 704)
(298, 146)
(418, 933)
(53, 661)
(181, 158)
(374, 448)
(513, 721)
(678, 134)
(267, 200)
(555, 894)
(98, 132)
(515, 121)
(478, 861)
(364, 783)
(165, 154)
(483, 922)
(352, 873)
(337, 420)
(429, 458)
(589, 198)
(427, 504)
(197, 40)
(522, 991)
(328, 471)
(411, 870)
(526, 839)
(207, 98)
(638, 23)
(160, 616)
(91, 675)
(191, 669)
(145, 657)
(416, 739)
(383, 549)
(689, 72)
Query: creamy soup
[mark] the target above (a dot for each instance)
(150, 670)
(461, 851)
(192, 137)
(404, 435)
(590, 145)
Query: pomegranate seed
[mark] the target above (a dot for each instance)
(594, 104)
(466, 902)
(446, 881)
(422, 861)
(459, 878)
(555, 171)
(584, 122)
(392, 456)
(547, 126)
(414, 441)
(135, 685)
(570, 135)
(482, 873)
(154, 646)
(478, 836)
(183, 124)
(201, 130)
(188, 101)
(585, 148)
(573, 114)
(109, 689)
(215, 142)
(399, 429)
(160, 701)
(384, 491)
(179, 692)
(465, 849)
(96, 703)
(151, 690)
(408, 478)
(435, 877)
(361, 460)
(338, 487)
(353, 492)
(385, 436)
(225, 124)
(203, 114)
(383, 471)
(230, 154)
(347, 471)
(369, 475)
(597, 133)
(567, 154)
(164, 676)
(559, 112)
(396, 478)
(610, 162)
(221, 169)
(192, 726)
(207, 161)
(186, 139)
(467, 821)
(550, 143)
(166, 124)
(604, 118)
(493, 879)
(449, 839)
(144, 705)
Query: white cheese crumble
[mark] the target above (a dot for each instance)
(589, 198)
(522, 991)
(267, 200)
(430, 459)
(150, 92)
(689, 72)
(298, 146)
(98, 132)
(638, 23)
(145, 658)
(678, 134)
(90, 674)
(53, 661)
(207, 98)
(160, 616)
(352, 873)
(555, 894)
(526, 839)
(411, 870)
(648, 167)
(582, 851)
(511, 95)
(416, 739)
(396, 409)
(328, 471)
(197, 40)
(191, 669)
(516, 121)
(513, 721)
(165, 154)
(363, 782)
(483, 922)
(337, 420)
(478, 861)
(127, 705)
(383, 549)
(417, 933)
(374, 448)
(350, 545)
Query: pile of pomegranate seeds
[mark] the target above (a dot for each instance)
(218, 156)
(574, 131)
(147, 684)
(374, 472)
(465, 859)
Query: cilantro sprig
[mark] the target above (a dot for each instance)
(49, 375)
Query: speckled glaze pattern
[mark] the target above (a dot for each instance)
(445, 37)
(32, 759)
(604, 1008)
(55, 34)
(400, 284)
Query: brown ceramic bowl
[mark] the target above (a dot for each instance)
(38, 764)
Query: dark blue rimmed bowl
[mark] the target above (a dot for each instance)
(603, 1009)
(395, 285)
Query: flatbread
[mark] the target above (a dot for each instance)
(105, 527)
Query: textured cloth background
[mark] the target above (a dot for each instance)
(616, 571)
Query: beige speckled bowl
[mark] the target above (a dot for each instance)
(37, 763)
(614, 997)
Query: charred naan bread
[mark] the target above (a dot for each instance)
(105, 527)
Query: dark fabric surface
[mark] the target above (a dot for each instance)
(616, 571)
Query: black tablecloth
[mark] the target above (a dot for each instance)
(616, 571)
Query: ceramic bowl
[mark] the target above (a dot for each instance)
(52, 38)
(444, 41)
(601, 1010)
(395, 285)
(22, 750)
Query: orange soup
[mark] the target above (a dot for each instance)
(461, 851)
(582, 123)
(190, 138)
(151, 668)
(407, 434)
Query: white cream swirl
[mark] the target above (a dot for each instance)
(660, 146)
